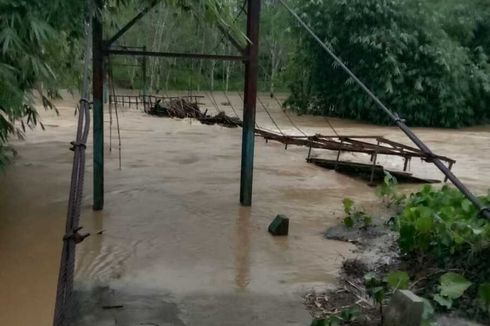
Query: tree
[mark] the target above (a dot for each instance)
(399, 49)
(33, 36)
(277, 41)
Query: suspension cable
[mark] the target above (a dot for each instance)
(484, 211)
(111, 95)
(116, 111)
(231, 104)
(295, 126)
(213, 101)
(63, 306)
(331, 126)
(257, 126)
(289, 117)
(270, 116)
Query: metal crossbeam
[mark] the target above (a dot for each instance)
(130, 24)
(176, 55)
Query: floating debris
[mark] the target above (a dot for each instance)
(181, 109)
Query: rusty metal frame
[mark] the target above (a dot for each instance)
(354, 144)
(130, 24)
(175, 55)
(249, 56)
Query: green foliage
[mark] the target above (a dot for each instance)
(388, 191)
(380, 288)
(484, 296)
(428, 314)
(355, 216)
(347, 315)
(438, 228)
(444, 227)
(443, 223)
(377, 287)
(452, 286)
(400, 49)
(188, 28)
(36, 42)
(40, 49)
(398, 280)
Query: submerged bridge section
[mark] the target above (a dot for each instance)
(188, 106)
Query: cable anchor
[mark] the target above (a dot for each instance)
(76, 236)
(75, 144)
(84, 100)
(399, 119)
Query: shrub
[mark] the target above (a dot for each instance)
(443, 223)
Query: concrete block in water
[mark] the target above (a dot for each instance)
(404, 309)
(280, 226)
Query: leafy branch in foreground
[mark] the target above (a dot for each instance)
(443, 223)
(36, 41)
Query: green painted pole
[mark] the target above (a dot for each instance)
(98, 108)
(250, 101)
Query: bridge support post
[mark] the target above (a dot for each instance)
(250, 101)
(98, 108)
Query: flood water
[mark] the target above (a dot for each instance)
(176, 247)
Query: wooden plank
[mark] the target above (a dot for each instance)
(367, 171)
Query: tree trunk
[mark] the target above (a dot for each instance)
(213, 65)
(201, 63)
(157, 46)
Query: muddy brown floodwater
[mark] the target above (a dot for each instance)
(176, 247)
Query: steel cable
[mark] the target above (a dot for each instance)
(257, 126)
(116, 111)
(213, 102)
(270, 116)
(231, 105)
(63, 306)
(289, 117)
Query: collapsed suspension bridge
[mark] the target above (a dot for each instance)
(103, 49)
(188, 106)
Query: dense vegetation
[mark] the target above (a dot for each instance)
(442, 228)
(428, 60)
